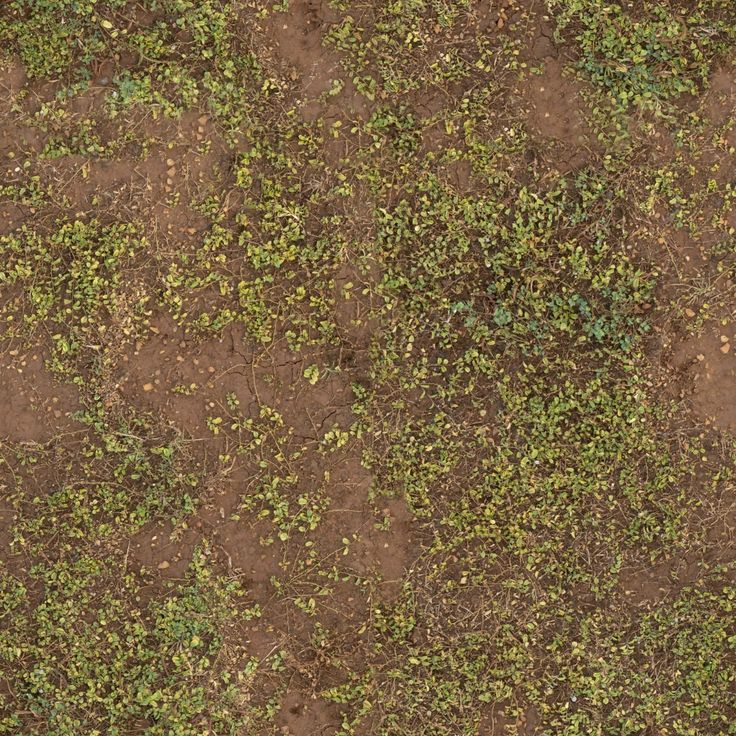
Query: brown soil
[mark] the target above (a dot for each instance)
(36, 407)
(300, 715)
(709, 366)
(182, 381)
(556, 116)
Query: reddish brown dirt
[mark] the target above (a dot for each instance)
(721, 96)
(297, 34)
(299, 715)
(163, 550)
(36, 407)
(556, 117)
(353, 311)
(12, 79)
(6, 523)
(246, 553)
(186, 383)
(650, 586)
(709, 364)
(494, 723)
(380, 543)
(296, 38)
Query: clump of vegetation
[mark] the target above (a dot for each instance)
(105, 662)
(70, 282)
(647, 54)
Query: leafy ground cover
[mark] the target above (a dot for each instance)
(367, 368)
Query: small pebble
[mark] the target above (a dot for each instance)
(147, 387)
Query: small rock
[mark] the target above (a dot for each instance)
(163, 565)
(689, 313)
(171, 171)
(726, 348)
(170, 162)
(724, 338)
(147, 387)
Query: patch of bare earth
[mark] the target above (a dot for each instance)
(556, 117)
(35, 406)
(708, 365)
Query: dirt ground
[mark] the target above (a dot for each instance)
(351, 306)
